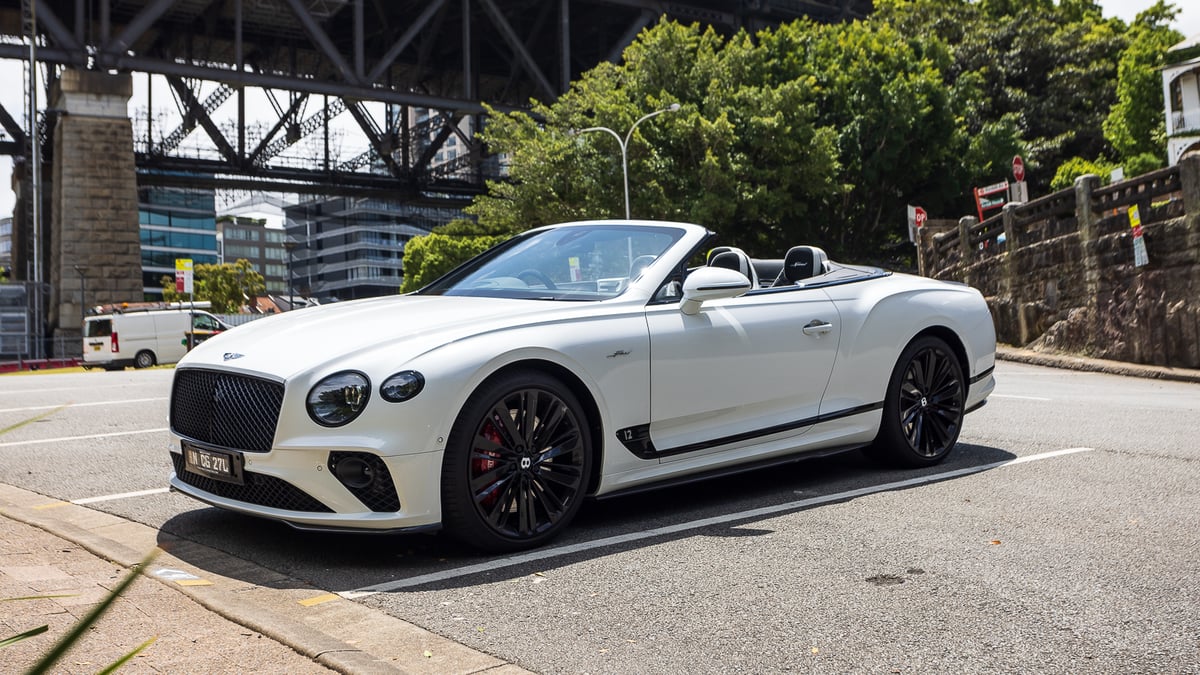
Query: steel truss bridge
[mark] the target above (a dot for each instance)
(411, 75)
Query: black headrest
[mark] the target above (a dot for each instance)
(801, 262)
(736, 259)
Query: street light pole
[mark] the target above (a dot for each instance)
(624, 143)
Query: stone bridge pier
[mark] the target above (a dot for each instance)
(93, 246)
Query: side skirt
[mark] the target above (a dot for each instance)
(637, 438)
(799, 456)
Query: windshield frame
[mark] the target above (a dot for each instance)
(491, 263)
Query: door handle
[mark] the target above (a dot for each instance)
(817, 327)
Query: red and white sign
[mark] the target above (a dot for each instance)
(984, 200)
(919, 216)
(1018, 168)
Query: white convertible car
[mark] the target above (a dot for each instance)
(575, 360)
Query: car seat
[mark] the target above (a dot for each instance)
(736, 259)
(801, 262)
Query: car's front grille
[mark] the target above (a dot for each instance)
(258, 489)
(225, 409)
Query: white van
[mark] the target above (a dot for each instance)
(143, 338)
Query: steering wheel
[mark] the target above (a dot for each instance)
(537, 276)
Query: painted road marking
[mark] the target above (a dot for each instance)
(320, 599)
(67, 439)
(122, 495)
(751, 514)
(83, 405)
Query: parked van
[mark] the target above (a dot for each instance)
(144, 338)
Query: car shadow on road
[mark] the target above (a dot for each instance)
(225, 543)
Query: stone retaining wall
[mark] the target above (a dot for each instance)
(1059, 272)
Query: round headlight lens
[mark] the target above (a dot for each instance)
(339, 398)
(402, 386)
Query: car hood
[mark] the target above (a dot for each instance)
(301, 340)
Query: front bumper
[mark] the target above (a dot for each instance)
(296, 486)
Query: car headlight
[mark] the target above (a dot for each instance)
(339, 398)
(402, 386)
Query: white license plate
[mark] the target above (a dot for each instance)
(216, 464)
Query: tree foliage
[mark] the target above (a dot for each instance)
(791, 136)
(1135, 125)
(227, 286)
(429, 257)
(822, 133)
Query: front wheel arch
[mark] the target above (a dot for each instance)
(582, 394)
(513, 482)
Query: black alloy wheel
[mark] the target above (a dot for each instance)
(516, 464)
(924, 407)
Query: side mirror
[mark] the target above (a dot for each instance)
(711, 283)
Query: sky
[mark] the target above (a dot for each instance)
(11, 85)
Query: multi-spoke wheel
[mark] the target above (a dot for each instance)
(924, 406)
(516, 464)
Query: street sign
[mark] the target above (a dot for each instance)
(1140, 255)
(919, 216)
(1018, 168)
(1018, 192)
(183, 275)
(984, 201)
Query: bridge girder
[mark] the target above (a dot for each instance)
(448, 56)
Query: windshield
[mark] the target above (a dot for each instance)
(570, 263)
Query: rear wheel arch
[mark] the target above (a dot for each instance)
(145, 359)
(952, 340)
(924, 403)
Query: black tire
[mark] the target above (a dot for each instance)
(923, 408)
(516, 464)
(144, 359)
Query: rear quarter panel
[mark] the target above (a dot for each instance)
(880, 317)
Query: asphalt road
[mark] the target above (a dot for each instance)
(1061, 536)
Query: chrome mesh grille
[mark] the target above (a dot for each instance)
(258, 489)
(225, 409)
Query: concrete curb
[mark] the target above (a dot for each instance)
(1069, 362)
(342, 635)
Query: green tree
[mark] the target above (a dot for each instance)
(808, 133)
(429, 257)
(227, 286)
(1039, 69)
(1075, 167)
(1135, 125)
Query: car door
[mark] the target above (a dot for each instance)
(740, 372)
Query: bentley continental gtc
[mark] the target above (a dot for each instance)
(573, 361)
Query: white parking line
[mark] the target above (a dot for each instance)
(543, 554)
(1023, 398)
(90, 387)
(123, 495)
(67, 439)
(83, 405)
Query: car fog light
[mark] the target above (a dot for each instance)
(353, 472)
(339, 398)
(402, 386)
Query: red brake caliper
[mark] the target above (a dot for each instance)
(484, 461)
